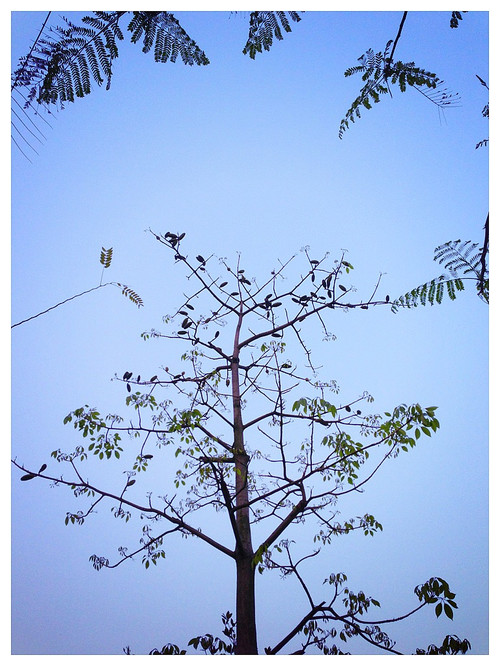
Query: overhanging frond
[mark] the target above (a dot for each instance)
(379, 71)
(162, 32)
(65, 61)
(464, 260)
(264, 27)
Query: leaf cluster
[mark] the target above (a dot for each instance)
(63, 64)
(451, 645)
(264, 27)
(209, 644)
(163, 32)
(106, 257)
(455, 18)
(437, 591)
(89, 422)
(130, 294)
(463, 260)
(378, 71)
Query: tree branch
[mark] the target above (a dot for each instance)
(405, 14)
(61, 303)
(144, 509)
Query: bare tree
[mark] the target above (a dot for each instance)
(261, 440)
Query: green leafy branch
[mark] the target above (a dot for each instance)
(437, 591)
(350, 621)
(105, 261)
(379, 70)
(458, 256)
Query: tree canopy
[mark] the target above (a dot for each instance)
(258, 442)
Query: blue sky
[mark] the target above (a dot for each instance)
(244, 156)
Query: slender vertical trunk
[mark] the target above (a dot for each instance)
(246, 632)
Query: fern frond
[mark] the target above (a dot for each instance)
(378, 70)
(163, 31)
(459, 256)
(106, 257)
(130, 293)
(429, 293)
(264, 27)
(354, 70)
(62, 64)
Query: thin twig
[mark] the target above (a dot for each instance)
(405, 14)
(61, 303)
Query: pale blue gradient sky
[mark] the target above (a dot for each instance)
(244, 156)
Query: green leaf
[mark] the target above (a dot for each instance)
(448, 611)
(28, 477)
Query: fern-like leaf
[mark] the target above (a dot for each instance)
(106, 257)
(163, 32)
(264, 27)
(62, 64)
(429, 293)
(379, 71)
(131, 294)
(459, 258)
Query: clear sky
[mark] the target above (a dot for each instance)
(244, 156)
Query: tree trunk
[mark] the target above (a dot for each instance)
(246, 632)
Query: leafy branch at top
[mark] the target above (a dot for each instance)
(62, 64)
(264, 26)
(105, 260)
(379, 70)
(65, 61)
